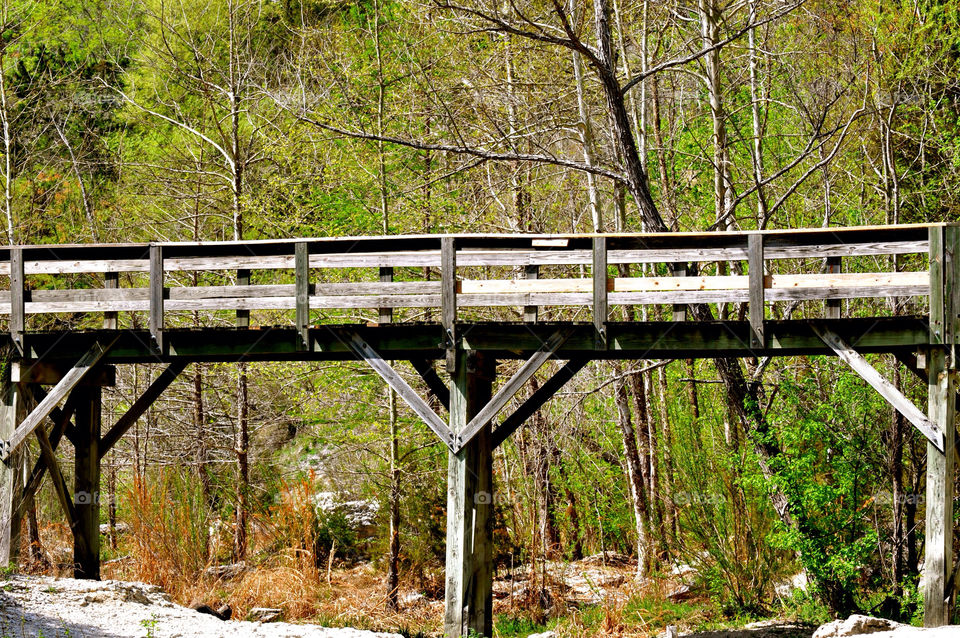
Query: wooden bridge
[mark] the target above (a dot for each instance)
(75, 312)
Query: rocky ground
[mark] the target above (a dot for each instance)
(34, 606)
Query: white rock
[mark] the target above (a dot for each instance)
(546, 634)
(855, 625)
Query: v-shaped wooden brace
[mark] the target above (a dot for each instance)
(886, 389)
(456, 441)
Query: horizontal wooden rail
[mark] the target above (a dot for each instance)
(524, 271)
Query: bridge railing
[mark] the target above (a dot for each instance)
(492, 271)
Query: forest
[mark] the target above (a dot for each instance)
(310, 487)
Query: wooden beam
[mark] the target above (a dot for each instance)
(50, 373)
(509, 389)
(755, 273)
(448, 298)
(17, 303)
(86, 485)
(408, 394)
(70, 380)
(600, 290)
(470, 502)
(156, 295)
(49, 458)
(302, 275)
(429, 375)
(141, 405)
(833, 307)
(886, 389)
(537, 400)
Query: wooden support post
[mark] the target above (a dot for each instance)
(86, 485)
(156, 295)
(386, 276)
(243, 316)
(302, 275)
(530, 312)
(941, 404)
(600, 291)
(938, 561)
(833, 306)
(755, 272)
(448, 298)
(11, 472)
(17, 315)
(679, 309)
(111, 281)
(469, 566)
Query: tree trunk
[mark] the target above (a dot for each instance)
(634, 468)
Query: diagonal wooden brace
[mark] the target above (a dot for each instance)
(536, 400)
(886, 389)
(70, 380)
(510, 388)
(402, 388)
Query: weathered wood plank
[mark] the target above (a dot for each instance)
(755, 275)
(141, 405)
(936, 271)
(472, 257)
(11, 475)
(599, 282)
(403, 389)
(302, 274)
(49, 459)
(887, 390)
(156, 295)
(509, 389)
(17, 310)
(70, 380)
(111, 281)
(448, 297)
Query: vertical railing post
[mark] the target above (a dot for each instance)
(834, 306)
(111, 281)
(600, 291)
(302, 276)
(755, 272)
(531, 271)
(941, 405)
(17, 316)
(385, 313)
(448, 298)
(680, 309)
(243, 315)
(156, 295)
